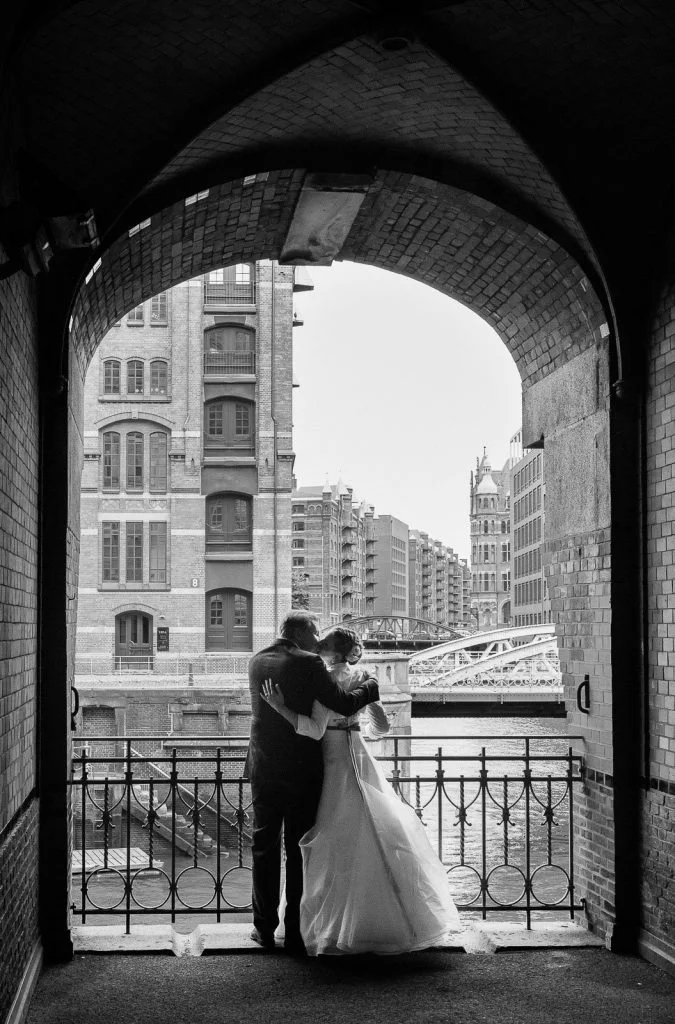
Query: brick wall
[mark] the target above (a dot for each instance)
(658, 801)
(18, 630)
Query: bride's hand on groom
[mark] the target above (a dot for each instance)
(272, 695)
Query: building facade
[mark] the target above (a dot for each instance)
(438, 582)
(390, 566)
(490, 524)
(185, 500)
(530, 600)
(329, 545)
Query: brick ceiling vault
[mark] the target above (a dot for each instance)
(528, 288)
(519, 120)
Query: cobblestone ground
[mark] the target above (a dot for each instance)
(543, 987)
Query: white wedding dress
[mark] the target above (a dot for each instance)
(372, 881)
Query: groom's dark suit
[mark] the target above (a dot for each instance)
(286, 772)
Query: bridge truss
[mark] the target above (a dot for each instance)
(522, 657)
(400, 631)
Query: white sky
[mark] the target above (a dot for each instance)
(400, 389)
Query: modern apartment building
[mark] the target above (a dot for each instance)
(438, 582)
(390, 566)
(530, 601)
(329, 550)
(186, 489)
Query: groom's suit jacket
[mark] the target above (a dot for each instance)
(277, 757)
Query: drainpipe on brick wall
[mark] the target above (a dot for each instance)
(273, 414)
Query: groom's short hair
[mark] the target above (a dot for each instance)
(296, 622)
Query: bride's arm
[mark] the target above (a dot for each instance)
(314, 726)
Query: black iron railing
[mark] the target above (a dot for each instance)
(219, 363)
(166, 830)
(229, 292)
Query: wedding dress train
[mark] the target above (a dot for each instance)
(372, 881)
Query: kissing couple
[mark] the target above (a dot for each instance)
(361, 874)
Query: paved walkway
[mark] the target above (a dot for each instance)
(552, 986)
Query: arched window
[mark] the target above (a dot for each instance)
(229, 349)
(134, 461)
(228, 620)
(159, 377)
(111, 377)
(228, 425)
(158, 461)
(229, 522)
(111, 461)
(135, 370)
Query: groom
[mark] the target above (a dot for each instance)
(286, 770)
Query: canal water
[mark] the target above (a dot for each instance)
(475, 831)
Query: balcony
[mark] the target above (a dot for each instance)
(221, 364)
(229, 293)
(162, 825)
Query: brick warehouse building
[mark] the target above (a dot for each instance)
(484, 149)
(330, 531)
(174, 523)
(530, 600)
(182, 550)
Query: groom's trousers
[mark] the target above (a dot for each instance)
(277, 810)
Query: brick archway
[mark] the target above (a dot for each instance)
(541, 301)
(521, 172)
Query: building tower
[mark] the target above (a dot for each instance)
(490, 516)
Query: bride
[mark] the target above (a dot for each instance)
(372, 882)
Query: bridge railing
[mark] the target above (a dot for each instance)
(162, 825)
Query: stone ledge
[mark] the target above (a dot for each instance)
(479, 937)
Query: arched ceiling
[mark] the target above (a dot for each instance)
(555, 112)
(531, 290)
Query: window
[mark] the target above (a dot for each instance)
(298, 543)
(229, 521)
(215, 419)
(111, 552)
(134, 461)
(158, 461)
(230, 285)
(111, 377)
(135, 368)
(136, 315)
(159, 377)
(298, 527)
(134, 561)
(229, 350)
(242, 427)
(229, 424)
(111, 461)
(158, 553)
(158, 309)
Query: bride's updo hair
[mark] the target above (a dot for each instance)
(342, 641)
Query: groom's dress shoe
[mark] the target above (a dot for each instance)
(266, 939)
(294, 946)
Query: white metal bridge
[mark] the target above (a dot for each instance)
(514, 657)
